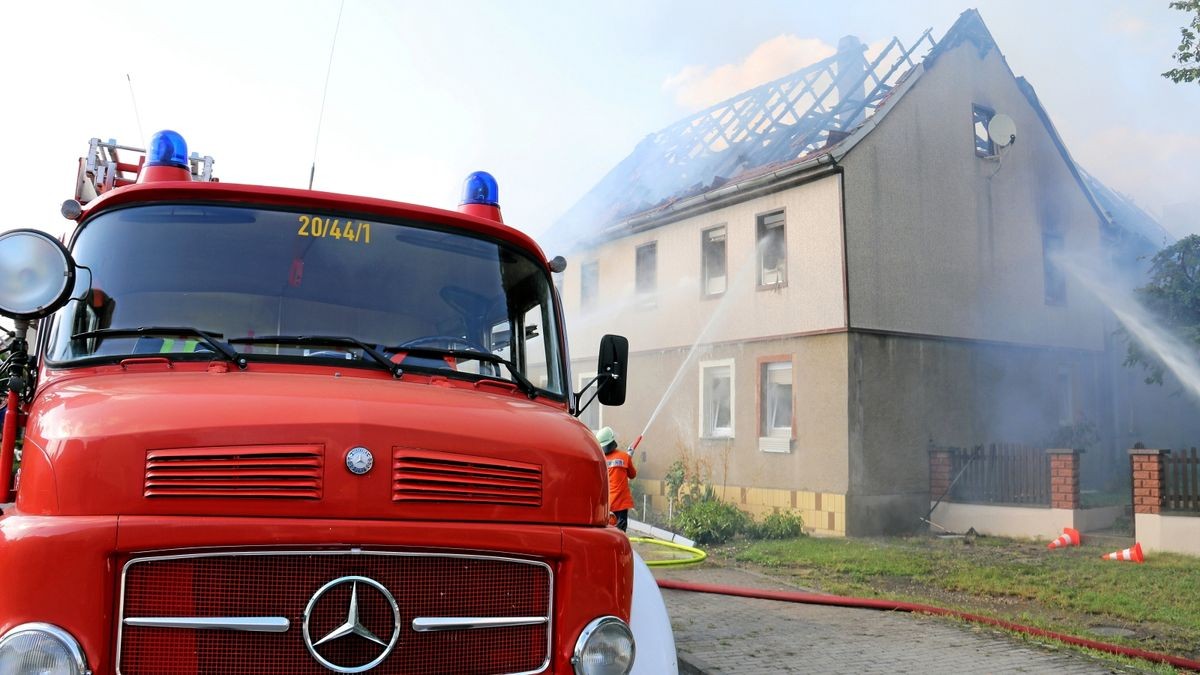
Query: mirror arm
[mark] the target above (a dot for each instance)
(604, 379)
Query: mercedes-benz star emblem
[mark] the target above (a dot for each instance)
(352, 627)
(359, 460)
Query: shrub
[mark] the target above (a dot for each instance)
(780, 525)
(711, 521)
(674, 478)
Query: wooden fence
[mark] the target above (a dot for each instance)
(1181, 481)
(1001, 474)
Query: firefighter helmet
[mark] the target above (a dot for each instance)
(605, 437)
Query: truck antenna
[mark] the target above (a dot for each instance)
(321, 115)
(136, 115)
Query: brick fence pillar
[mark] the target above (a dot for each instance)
(1147, 479)
(939, 472)
(1064, 478)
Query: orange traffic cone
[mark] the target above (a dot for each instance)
(1131, 554)
(1070, 537)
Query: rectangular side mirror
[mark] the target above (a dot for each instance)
(613, 366)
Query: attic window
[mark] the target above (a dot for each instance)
(772, 251)
(712, 260)
(589, 285)
(1055, 282)
(646, 271)
(983, 140)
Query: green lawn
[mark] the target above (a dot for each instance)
(1071, 591)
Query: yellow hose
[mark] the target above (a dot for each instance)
(697, 554)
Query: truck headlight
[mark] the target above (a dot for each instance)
(605, 647)
(41, 648)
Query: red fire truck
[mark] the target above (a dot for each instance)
(268, 430)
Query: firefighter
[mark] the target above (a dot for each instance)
(620, 470)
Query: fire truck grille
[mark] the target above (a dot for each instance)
(421, 476)
(288, 471)
(336, 590)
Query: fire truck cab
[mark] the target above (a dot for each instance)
(270, 430)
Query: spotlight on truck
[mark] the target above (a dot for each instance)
(36, 274)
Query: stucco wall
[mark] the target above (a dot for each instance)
(812, 300)
(818, 461)
(942, 242)
(909, 393)
(1169, 533)
(1021, 521)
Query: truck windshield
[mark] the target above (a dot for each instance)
(427, 298)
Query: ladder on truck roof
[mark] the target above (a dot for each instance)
(103, 169)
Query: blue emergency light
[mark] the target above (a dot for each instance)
(167, 148)
(480, 188)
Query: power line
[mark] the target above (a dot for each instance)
(324, 92)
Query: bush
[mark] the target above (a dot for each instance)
(780, 525)
(711, 521)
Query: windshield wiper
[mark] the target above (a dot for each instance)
(211, 339)
(522, 382)
(323, 340)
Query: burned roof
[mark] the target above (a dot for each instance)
(786, 125)
(779, 123)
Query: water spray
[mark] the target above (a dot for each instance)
(1175, 356)
(736, 283)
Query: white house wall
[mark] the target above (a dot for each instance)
(813, 300)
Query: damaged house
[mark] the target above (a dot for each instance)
(864, 256)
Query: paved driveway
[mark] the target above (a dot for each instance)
(717, 634)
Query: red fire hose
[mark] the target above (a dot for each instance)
(893, 606)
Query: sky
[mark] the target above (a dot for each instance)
(546, 96)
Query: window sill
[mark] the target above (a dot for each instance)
(772, 287)
(646, 301)
(776, 445)
(723, 437)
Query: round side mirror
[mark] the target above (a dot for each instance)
(37, 274)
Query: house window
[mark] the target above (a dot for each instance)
(647, 269)
(775, 406)
(712, 260)
(983, 140)
(1055, 282)
(716, 399)
(772, 250)
(589, 285)
(591, 417)
(1066, 403)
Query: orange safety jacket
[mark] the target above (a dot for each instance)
(620, 470)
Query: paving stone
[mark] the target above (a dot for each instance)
(726, 635)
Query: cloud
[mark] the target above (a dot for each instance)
(1126, 24)
(696, 87)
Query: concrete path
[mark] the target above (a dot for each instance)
(719, 635)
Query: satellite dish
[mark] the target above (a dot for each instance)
(1002, 130)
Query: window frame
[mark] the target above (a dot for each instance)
(769, 440)
(1065, 378)
(704, 273)
(985, 146)
(645, 293)
(704, 426)
(1054, 280)
(760, 230)
(589, 295)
